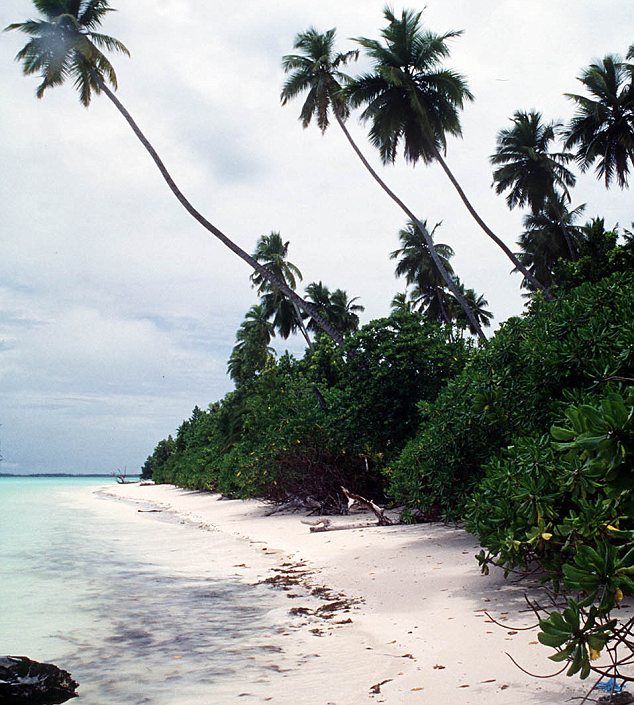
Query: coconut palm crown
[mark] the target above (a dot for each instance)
(527, 169)
(602, 129)
(414, 259)
(478, 305)
(336, 307)
(272, 253)
(550, 235)
(64, 44)
(414, 262)
(317, 70)
(409, 96)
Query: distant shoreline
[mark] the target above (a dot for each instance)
(57, 474)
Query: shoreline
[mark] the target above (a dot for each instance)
(394, 614)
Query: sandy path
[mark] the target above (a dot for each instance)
(419, 624)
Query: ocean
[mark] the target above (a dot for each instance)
(87, 585)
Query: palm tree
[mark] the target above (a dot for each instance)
(335, 307)
(434, 303)
(410, 98)
(252, 350)
(345, 311)
(400, 303)
(478, 305)
(316, 71)
(526, 168)
(257, 326)
(548, 237)
(416, 265)
(272, 253)
(602, 129)
(65, 45)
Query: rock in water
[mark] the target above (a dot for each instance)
(24, 681)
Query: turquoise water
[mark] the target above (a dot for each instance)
(90, 587)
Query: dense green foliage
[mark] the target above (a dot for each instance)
(302, 428)
(569, 506)
(514, 387)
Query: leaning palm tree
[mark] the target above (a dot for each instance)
(410, 99)
(316, 71)
(416, 265)
(272, 253)
(602, 129)
(65, 45)
(526, 166)
(548, 237)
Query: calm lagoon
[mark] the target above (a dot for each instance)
(106, 593)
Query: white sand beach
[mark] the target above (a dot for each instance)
(414, 595)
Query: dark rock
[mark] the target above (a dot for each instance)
(24, 681)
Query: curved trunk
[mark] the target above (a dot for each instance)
(282, 286)
(451, 285)
(516, 263)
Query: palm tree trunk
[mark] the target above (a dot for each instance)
(282, 286)
(422, 229)
(443, 311)
(571, 248)
(301, 326)
(516, 263)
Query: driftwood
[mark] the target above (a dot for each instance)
(379, 512)
(296, 504)
(320, 525)
(327, 526)
(120, 476)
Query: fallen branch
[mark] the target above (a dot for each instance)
(379, 512)
(323, 526)
(295, 505)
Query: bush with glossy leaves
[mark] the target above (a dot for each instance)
(514, 388)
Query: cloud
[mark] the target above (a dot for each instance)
(118, 312)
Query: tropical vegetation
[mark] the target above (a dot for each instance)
(526, 436)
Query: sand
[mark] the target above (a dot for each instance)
(399, 606)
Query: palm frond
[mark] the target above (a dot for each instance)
(109, 43)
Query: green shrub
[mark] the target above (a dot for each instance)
(513, 388)
(568, 505)
(312, 425)
(302, 428)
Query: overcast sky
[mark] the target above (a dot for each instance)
(118, 312)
